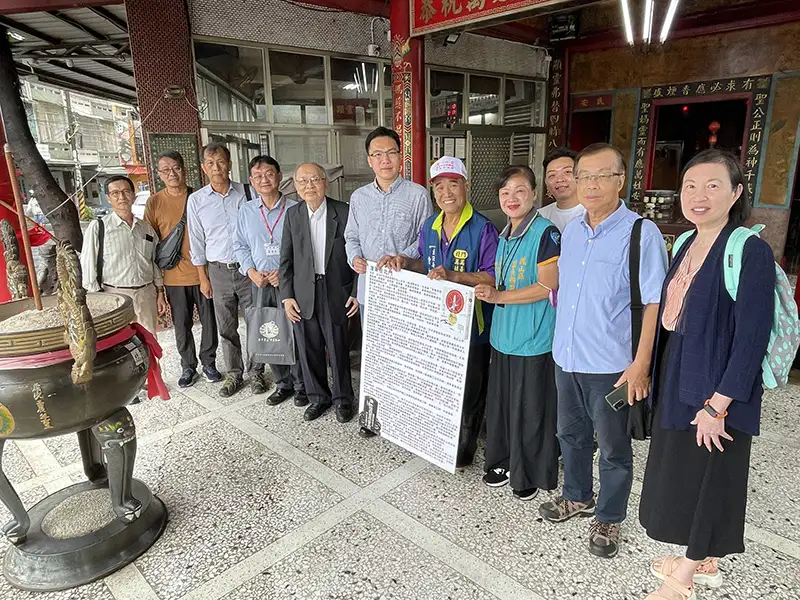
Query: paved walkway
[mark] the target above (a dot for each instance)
(265, 506)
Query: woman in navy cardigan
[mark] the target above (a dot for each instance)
(707, 383)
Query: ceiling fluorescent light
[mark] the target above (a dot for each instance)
(626, 16)
(673, 8)
(648, 21)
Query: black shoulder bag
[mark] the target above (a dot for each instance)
(101, 238)
(168, 250)
(640, 417)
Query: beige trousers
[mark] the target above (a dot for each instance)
(144, 304)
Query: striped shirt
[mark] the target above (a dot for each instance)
(212, 224)
(383, 223)
(128, 254)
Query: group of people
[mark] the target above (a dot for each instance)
(559, 354)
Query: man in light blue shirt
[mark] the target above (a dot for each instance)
(593, 345)
(257, 246)
(211, 215)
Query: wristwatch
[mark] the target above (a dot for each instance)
(712, 411)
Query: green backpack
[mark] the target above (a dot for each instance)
(784, 338)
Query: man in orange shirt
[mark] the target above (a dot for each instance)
(182, 283)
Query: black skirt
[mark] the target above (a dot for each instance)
(521, 410)
(690, 496)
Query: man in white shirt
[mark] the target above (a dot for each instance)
(318, 290)
(124, 263)
(560, 181)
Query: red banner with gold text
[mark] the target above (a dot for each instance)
(435, 15)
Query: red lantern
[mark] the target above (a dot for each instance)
(713, 127)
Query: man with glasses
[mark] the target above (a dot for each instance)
(125, 263)
(386, 215)
(164, 212)
(318, 288)
(212, 215)
(259, 231)
(593, 347)
(561, 185)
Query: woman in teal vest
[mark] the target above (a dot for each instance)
(521, 443)
(459, 245)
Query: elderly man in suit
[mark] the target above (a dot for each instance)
(318, 290)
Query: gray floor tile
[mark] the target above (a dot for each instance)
(334, 444)
(15, 466)
(360, 558)
(779, 415)
(227, 496)
(773, 502)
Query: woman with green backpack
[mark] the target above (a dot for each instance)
(707, 378)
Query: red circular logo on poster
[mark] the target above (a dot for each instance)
(454, 301)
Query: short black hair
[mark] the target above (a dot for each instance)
(379, 133)
(599, 147)
(740, 211)
(555, 154)
(214, 147)
(514, 171)
(174, 155)
(115, 178)
(263, 159)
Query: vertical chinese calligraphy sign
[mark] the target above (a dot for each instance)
(756, 90)
(428, 16)
(557, 84)
(416, 343)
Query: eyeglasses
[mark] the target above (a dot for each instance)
(175, 170)
(601, 178)
(382, 153)
(120, 193)
(310, 181)
(265, 177)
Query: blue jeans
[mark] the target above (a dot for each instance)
(582, 410)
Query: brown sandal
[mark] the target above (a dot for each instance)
(687, 593)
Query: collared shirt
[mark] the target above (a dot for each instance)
(318, 221)
(129, 254)
(593, 320)
(383, 223)
(254, 247)
(212, 224)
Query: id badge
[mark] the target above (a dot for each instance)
(272, 249)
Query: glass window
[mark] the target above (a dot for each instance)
(355, 92)
(484, 100)
(231, 74)
(356, 169)
(293, 149)
(447, 98)
(519, 102)
(388, 106)
(298, 88)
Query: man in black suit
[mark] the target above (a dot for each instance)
(318, 289)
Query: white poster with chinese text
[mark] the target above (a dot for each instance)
(414, 361)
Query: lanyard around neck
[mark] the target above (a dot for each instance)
(271, 230)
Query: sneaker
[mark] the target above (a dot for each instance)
(211, 374)
(527, 494)
(560, 509)
(496, 477)
(707, 572)
(188, 378)
(230, 386)
(604, 539)
(257, 383)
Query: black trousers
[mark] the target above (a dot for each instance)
(182, 300)
(474, 406)
(285, 377)
(314, 337)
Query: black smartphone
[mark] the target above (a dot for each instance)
(618, 397)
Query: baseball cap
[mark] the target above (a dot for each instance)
(448, 166)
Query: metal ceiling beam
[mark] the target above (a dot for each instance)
(10, 7)
(116, 67)
(90, 75)
(77, 25)
(25, 29)
(75, 85)
(102, 58)
(110, 17)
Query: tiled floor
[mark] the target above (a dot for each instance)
(265, 506)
